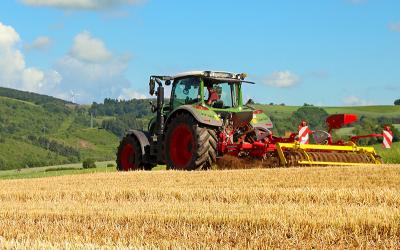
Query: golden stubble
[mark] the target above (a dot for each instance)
(258, 208)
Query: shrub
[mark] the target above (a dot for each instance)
(88, 163)
(397, 102)
(110, 165)
(315, 117)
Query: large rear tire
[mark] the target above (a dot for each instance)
(188, 145)
(129, 155)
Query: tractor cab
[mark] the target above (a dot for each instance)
(215, 90)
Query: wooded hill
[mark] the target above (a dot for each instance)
(38, 130)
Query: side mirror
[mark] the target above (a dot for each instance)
(250, 102)
(152, 86)
(167, 82)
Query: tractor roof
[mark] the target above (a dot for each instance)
(215, 75)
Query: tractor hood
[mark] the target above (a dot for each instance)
(202, 114)
(214, 117)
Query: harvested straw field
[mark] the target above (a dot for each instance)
(286, 208)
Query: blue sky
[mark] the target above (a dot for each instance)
(333, 52)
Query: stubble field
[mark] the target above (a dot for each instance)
(285, 208)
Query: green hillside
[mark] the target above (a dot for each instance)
(38, 130)
(30, 97)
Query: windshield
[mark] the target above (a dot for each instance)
(221, 95)
(186, 91)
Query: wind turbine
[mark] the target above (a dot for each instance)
(73, 95)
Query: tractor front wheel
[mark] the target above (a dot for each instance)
(188, 145)
(129, 155)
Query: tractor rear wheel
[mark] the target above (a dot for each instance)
(188, 145)
(129, 155)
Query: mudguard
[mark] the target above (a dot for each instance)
(142, 138)
(200, 113)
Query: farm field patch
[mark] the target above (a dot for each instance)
(286, 207)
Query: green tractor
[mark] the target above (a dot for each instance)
(204, 119)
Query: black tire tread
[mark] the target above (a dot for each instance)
(130, 138)
(206, 145)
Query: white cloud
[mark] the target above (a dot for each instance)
(40, 43)
(8, 36)
(356, 101)
(81, 4)
(88, 48)
(13, 70)
(395, 27)
(93, 71)
(282, 79)
(95, 75)
(128, 94)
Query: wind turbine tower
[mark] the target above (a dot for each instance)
(73, 96)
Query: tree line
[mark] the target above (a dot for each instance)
(126, 114)
(56, 147)
(113, 107)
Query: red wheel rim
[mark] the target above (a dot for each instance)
(128, 157)
(181, 146)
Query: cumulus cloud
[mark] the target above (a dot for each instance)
(395, 27)
(356, 101)
(128, 94)
(88, 48)
(13, 70)
(81, 4)
(8, 36)
(40, 43)
(89, 68)
(282, 79)
(95, 72)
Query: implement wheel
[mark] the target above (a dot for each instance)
(129, 155)
(188, 145)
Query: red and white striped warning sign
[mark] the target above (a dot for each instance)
(387, 138)
(304, 135)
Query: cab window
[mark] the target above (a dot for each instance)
(221, 95)
(185, 91)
